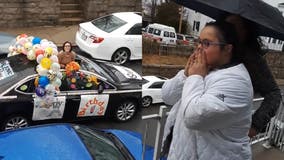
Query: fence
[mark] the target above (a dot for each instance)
(274, 134)
(153, 47)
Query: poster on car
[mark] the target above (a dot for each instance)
(49, 108)
(5, 70)
(93, 105)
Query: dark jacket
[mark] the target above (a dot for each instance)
(265, 85)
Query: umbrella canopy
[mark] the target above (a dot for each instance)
(269, 20)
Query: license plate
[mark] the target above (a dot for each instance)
(84, 36)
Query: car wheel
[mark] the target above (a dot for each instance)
(15, 122)
(146, 101)
(121, 56)
(125, 111)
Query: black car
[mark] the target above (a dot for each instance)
(118, 94)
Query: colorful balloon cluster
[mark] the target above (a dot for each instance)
(45, 53)
(32, 47)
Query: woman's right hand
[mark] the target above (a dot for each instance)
(189, 63)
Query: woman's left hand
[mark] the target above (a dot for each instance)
(199, 66)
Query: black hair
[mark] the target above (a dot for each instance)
(65, 44)
(228, 35)
(252, 40)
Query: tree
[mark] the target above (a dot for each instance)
(168, 14)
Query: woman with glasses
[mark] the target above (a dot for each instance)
(212, 100)
(66, 55)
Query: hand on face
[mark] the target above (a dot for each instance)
(197, 64)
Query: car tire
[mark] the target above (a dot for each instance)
(15, 122)
(125, 111)
(121, 56)
(146, 101)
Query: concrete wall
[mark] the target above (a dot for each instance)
(25, 13)
(96, 8)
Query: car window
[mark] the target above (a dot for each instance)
(172, 35)
(166, 34)
(157, 85)
(150, 30)
(99, 145)
(157, 32)
(179, 37)
(135, 30)
(108, 23)
(27, 87)
(81, 81)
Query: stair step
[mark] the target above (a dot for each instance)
(70, 21)
(70, 11)
(70, 6)
(69, 1)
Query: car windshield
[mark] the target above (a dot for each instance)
(98, 144)
(108, 23)
(92, 67)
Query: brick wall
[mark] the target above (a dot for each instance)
(96, 8)
(26, 13)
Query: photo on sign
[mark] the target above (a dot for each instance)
(48, 109)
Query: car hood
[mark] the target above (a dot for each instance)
(133, 142)
(58, 141)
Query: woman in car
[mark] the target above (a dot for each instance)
(212, 100)
(66, 55)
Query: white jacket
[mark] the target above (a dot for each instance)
(211, 115)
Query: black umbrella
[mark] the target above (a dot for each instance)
(269, 20)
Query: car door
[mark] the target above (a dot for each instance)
(85, 100)
(155, 90)
(134, 40)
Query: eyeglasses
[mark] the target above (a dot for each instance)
(206, 43)
(67, 46)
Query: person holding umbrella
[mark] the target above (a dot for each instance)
(212, 101)
(261, 76)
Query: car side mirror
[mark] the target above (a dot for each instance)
(100, 88)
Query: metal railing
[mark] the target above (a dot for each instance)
(274, 134)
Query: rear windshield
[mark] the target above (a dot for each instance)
(108, 23)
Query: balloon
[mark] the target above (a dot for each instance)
(50, 89)
(43, 81)
(11, 49)
(36, 40)
(54, 59)
(36, 47)
(44, 45)
(55, 67)
(39, 52)
(57, 82)
(23, 36)
(59, 75)
(55, 52)
(39, 58)
(23, 50)
(40, 91)
(30, 38)
(22, 41)
(28, 46)
(48, 51)
(45, 63)
(51, 75)
(31, 55)
(36, 81)
(43, 41)
(73, 86)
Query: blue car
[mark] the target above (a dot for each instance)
(68, 142)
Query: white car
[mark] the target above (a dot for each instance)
(6, 40)
(115, 37)
(151, 90)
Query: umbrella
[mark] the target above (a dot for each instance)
(269, 20)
